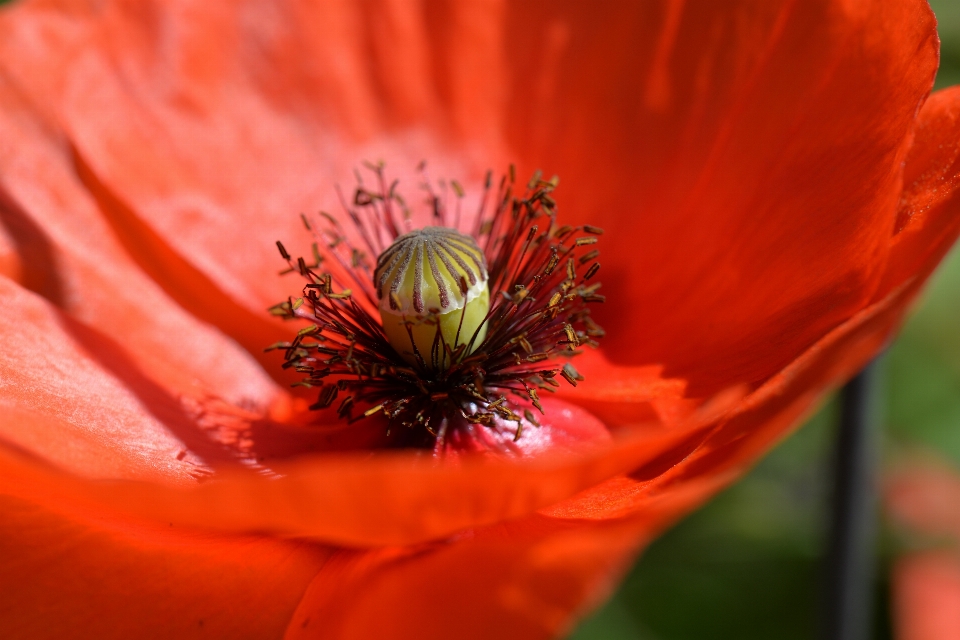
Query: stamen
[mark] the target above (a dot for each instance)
(465, 321)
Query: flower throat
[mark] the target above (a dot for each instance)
(473, 323)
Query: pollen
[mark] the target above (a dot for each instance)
(433, 295)
(479, 314)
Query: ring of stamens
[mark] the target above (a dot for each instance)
(539, 275)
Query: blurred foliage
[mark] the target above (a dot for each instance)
(923, 370)
(948, 25)
(747, 566)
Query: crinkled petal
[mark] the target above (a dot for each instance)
(73, 398)
(60, 245)
(83, 400)
(928, 225)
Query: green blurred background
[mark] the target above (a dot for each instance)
(747, 566)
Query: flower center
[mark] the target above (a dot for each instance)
(432, 286)
(476, 319)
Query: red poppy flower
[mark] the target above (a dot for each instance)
(774, 183)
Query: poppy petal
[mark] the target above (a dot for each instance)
(75, 400)
(351, 499)
(747, 160)
(80, 399)
(677, 481)
(64, 251)
(624, 394)
(112, 579)
(66, 578)
(929, 224)
(929, 213)
(532, 586)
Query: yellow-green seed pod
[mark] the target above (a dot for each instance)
(435, 276)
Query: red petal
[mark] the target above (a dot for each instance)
(780, 404)
(64, 578)
(524, 580)
(68, 253)
(928, 218)
(97, 406)
(678, 480)
(73, 398)
(625, 395)
(745, 160)
(350, 498)
(113, 579)
(560, 429)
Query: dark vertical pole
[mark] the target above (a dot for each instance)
(851, 558)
